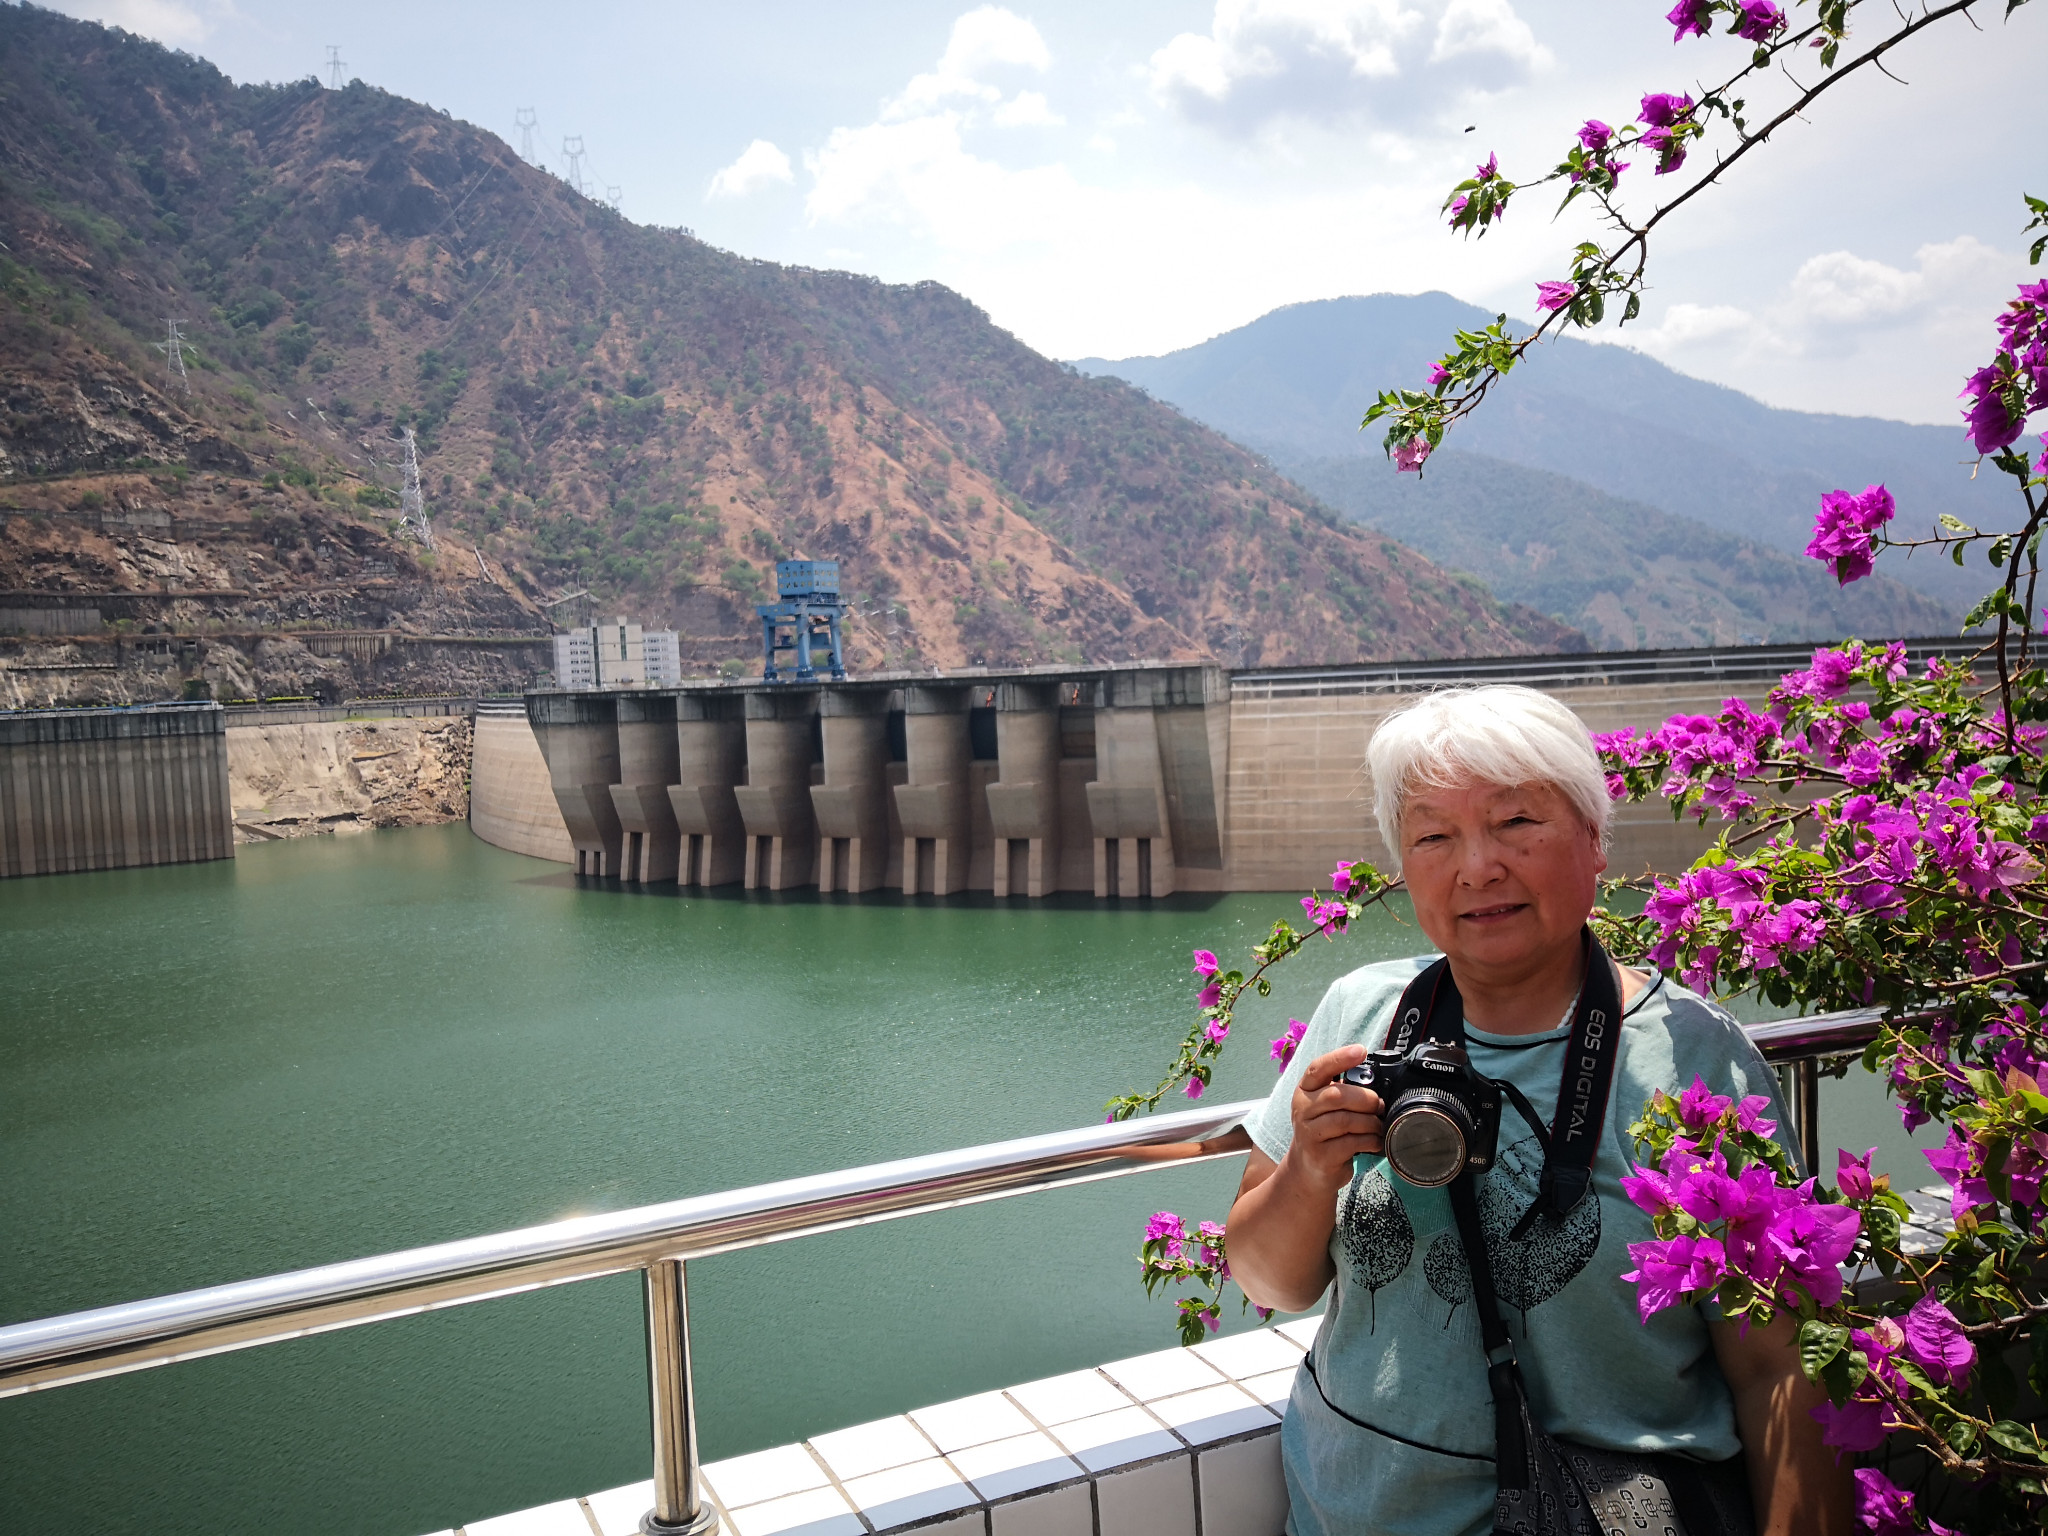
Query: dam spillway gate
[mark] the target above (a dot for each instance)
(1122, 782)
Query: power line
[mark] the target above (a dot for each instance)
(526, 120)
(173, 348)
(572, 151)
(334, 67)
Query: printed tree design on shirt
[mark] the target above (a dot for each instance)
(1379, 1239)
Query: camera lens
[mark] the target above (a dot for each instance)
(1427, 1137)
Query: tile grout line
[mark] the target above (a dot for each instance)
(833, 1478)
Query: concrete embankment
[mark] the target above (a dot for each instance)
(302, 779)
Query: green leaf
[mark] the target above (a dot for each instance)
(1819, 1344)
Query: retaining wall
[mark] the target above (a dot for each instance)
(113, 789)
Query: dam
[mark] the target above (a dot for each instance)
(1119, 782)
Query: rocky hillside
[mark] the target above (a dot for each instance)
(600, 406)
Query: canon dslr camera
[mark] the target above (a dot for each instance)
(1441, 1117)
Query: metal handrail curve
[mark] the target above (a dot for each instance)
(657, 1239)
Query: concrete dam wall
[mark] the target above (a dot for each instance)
(1123, 782)
(113, 789)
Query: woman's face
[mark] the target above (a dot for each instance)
(1502, 878)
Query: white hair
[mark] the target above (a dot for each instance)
(1496, 734)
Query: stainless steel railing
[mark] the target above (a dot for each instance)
(657, 1240)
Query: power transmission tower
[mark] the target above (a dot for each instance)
(412, 503)
(572, 151)
(611, 195)
(526, 120)
(334, 67)
(173, 348)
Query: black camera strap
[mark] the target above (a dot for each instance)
(1432, 1006)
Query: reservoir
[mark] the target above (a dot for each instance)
(333, 1047)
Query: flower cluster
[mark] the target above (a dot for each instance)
(1174, 1255)
(1669, 124)
(1842, 533)
(2014, 384)
(1355, 885)
(1731, 1222)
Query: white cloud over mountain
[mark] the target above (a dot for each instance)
(759, 165)
(1387, 61)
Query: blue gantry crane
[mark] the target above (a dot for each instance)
(807, 606)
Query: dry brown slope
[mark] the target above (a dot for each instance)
(630, 410)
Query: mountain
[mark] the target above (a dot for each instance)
(598, 405)
(1631, 577)
(1294, 383)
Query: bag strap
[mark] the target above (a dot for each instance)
(1503, 1371)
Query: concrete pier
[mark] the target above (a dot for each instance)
(1127, 782)
(775, 802)
(711, 758)
(856, 829)
(113, 789)
(579, 737)
(649, 762)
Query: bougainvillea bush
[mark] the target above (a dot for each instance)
(1882, 844)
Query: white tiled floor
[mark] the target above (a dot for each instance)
(872, 1447)
(821, 1512)
(1058, 1399)
(971, 1421)
(1005, 1467)
(618, 1510)
(1171, 1370)
(1213, 1413)
(561, 1519)
(764, 1475)
(1115, 1439)
(1071, 1455)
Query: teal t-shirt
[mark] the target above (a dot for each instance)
(1399, 1346)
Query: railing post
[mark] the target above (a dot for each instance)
(679, 1509)
(1799, 1081)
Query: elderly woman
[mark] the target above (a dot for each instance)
(1494, 801)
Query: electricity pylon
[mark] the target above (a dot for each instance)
(173, 348)
(572, 151)
(412, 503)
(526, 120)
(334, 67)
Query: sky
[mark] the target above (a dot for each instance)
(1127, 178)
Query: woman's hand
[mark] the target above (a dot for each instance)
(1333, 1121)
(1280, 1226)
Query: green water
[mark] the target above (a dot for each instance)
(334, 1047)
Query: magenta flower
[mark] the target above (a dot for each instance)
(1692, 18)
(1652, 1192)
(1194, 1088)
(1886, 1509)
(1595, 135)
(1857, 1426)
(1760, 19)
(1843, 528)
(1749, 1115)
(1699, 1106)
(1936, 1343)
(1210, 995)
(1340, 878)
(1663, 109)
(1489, 170)
(1852, 1175)
(1283, 1049)
(1205, 963)
(1555, 295)
(1812, 1240)
(1217, 1030)
(1409, 456)
(1438, 374)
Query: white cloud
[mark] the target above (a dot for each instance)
(1848, 332)
(1329, 60)
(759, 164)
(987, 39)
(167, 21)
(1027, 109)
